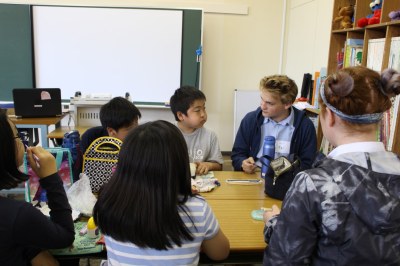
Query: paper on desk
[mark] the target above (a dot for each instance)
(208, 175)
(205, 183)
(302, 105)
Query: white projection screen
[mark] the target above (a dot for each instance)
(98, 50)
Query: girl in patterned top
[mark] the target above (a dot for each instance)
(346, 210)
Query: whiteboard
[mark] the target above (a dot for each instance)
(244, 101)
(108, 50)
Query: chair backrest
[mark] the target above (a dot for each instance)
(100, 160)
(64, 168)
(72, 141)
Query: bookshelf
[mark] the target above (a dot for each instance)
(386, 30)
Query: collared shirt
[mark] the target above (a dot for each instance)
(367, 146)
(282, 131)
(381, 161)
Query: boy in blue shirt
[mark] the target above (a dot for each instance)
(294, 132)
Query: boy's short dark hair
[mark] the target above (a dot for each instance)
(119, 112)
(183, 98)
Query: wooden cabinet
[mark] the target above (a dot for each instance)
(385, 29)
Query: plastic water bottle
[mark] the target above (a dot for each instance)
(92, 229)
(269, 151)
(43, 196)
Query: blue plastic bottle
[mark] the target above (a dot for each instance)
(269, 153)
(72, 141)
(43, 196)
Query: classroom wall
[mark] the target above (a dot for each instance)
(308, 24)
(241, 42)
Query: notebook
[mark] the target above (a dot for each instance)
(37, 102)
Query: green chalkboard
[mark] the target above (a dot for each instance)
(16, 68)
(16, 51)
(191, 40)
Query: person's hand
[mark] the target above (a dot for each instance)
(248, 165)
(201, 168)
(269, 214)
(194, 190)
(44, 164)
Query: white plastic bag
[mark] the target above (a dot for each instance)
(80, 196)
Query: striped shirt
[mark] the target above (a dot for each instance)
(206, 227)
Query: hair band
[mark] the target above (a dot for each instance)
(359, 119)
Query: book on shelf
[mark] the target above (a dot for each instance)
(316, 76)
(376, 48)
(353, 52)
(394, 55)
(339, 59)
(389, 121)
(306, 86)
(394, 116)
(310, 97)
(318, 85)
(356, 56)
(388, 124)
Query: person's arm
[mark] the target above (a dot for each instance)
(213, 160)
(242, 147)
(270, 218)
(44, 258)
(308, 142)
(203, 168)
(32, 228)
(249, 166)
(293, 241)
(215, 244)
(216, 248)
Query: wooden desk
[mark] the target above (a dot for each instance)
(232, 205)
(59, 132)
(233, 191)
(41, 123)
(234, 217)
